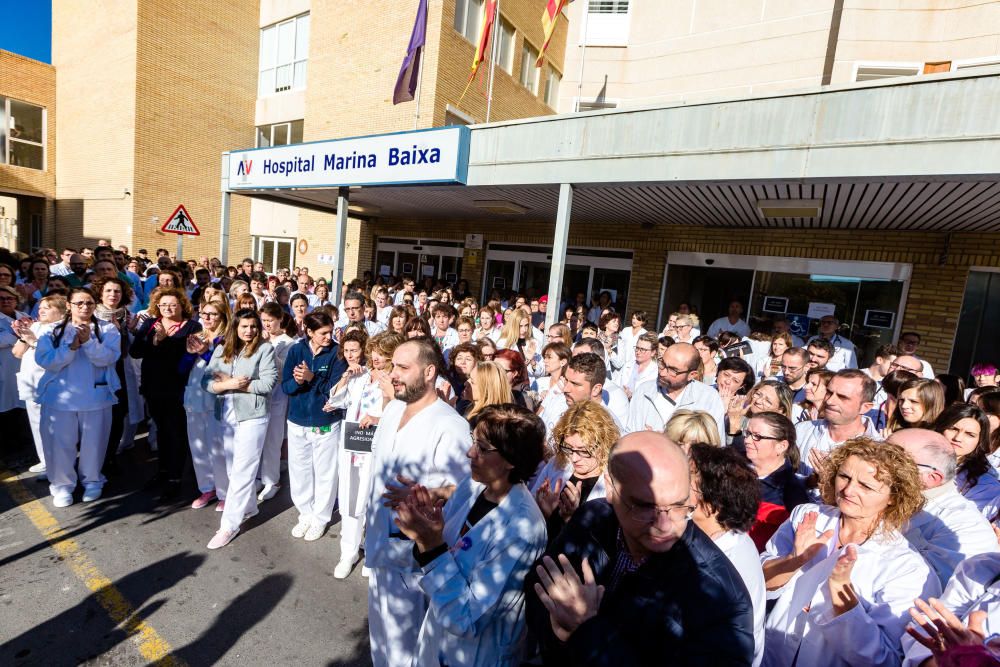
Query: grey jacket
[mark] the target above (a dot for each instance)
(263, 373)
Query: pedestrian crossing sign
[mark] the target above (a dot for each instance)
(180, 223)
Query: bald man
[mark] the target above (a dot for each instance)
(632, 581)
(949, 528)
(653, 403)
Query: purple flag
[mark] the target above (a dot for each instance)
(409, 73)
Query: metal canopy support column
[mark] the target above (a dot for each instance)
(559, 242)
(224, 215)
(339, 242)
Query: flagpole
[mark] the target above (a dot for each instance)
(420, 84)
(583, 52)
(493, 47)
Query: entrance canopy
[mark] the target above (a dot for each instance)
(912, 154)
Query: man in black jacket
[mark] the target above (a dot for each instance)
(655, 590)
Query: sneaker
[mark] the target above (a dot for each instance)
(300, 528)
(222, 538)
(269, 491)
(314, 532)
(90, 495)
(203, 500)
(343, 569)
(38, 467)
(220, 506)
(63, 500)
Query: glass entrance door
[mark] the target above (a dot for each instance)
(274, 253)
(707, 291)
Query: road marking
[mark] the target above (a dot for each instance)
(153, 647)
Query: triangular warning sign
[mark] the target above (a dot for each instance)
(180, 222)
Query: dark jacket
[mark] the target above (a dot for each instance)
(163, 373)
(306, 401)
(687, 606)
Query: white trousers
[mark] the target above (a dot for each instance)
(61, 431)
(396, 610)
(354, 482)
(242, 443)
(35, 422)
(312, 471)
(270, 460)
(204, 439)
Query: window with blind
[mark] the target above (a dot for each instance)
(606, 23)
(284, 53)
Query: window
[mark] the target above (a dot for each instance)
(468, 14)
(552, 87)
(279, 134)
(274, 253)
(529, 73)
(876, 72)
(963, 65)
(284, 50)
(503, 55)
(606, 23)
(22, 134)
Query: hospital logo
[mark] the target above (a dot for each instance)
(243, 168)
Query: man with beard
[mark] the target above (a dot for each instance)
(675, 388)
(420, 439)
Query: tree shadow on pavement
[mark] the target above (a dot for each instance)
(87, 631)
(239, 617)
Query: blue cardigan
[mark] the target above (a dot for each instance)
(306, 401)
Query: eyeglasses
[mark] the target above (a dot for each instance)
(674, 371)
(899, 367)
(790, 369)
(757, 437)
(579, 453)
(82, 304)
(643, 349)
(928, 466)
(648, 514)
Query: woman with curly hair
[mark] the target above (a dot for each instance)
(967, 428)
(843, 574)
(583, 439)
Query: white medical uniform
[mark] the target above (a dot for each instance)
(28, 378)
(650, 409)
(270, 459)
(8, 364)
(985, 494)
(815, 434)
(552, 471)
(626, 352)
(948, 530)
(844, 355)
(204, 432)
(975, 587)
(637, 377)
(741, 328)
(742, 553)
(475, 590)
(431, 449)
(802, 629)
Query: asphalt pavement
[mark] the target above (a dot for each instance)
(125, 580)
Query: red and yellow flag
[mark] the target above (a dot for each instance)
(549, 18)
(483, 44)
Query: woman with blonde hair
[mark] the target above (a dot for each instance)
(583, 438)
(843, 574)
(687, 427)
(489, 386)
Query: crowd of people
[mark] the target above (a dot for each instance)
(592, 492)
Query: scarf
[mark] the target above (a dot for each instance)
(106, 314)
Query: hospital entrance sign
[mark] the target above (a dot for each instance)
(439, 155)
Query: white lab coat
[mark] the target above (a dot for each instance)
(636, 377)
(8, 364)
(614, 398)
(974, 587)
(742, 553)
(741, 328)
(843, 356)
(887, 576)
(626, 353)
(650, 410)
(475, 615)
(551, 470)
(430, 449)
(815, 434)
(948, 530)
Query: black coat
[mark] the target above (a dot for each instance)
(687, 606)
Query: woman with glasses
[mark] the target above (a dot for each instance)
(241, 374)
(967, 428)
(769, 445)
(842, 573)
(204, 432)
(488, 349)
(708, 350)
(76, 393)
(584, 436)
(51, 309)
(725, 494)
(516, 372)
(476, 550)
(627, 339)
(115, 295)
(644, 367)
(161, 344)
(559, 333)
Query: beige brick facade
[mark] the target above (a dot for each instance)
(34, 82)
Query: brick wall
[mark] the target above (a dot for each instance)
(940, 266)
(31, 81)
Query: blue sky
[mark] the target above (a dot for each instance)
(26, 28)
